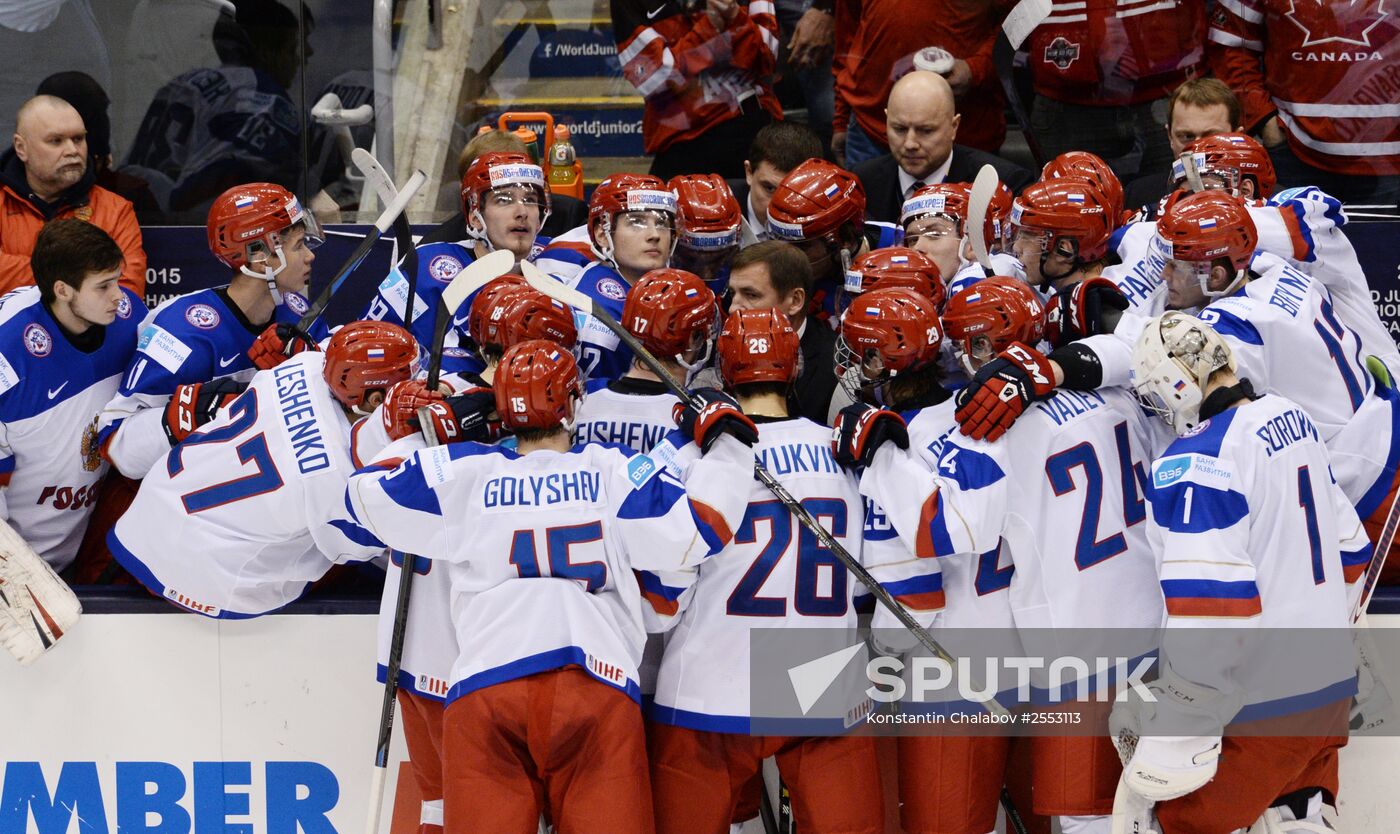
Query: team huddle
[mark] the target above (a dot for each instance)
(1047, 414)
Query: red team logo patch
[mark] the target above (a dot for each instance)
(202, 316)
(444, 268)
(610, 288)
(1061, 53)
(37, 340)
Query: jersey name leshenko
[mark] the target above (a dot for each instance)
(538, 490)
(299, 418)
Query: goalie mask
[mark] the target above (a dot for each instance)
(885, 333)
(248, 227)
(1172, 362)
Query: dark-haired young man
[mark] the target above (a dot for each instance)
(776, 150)
(64, 344)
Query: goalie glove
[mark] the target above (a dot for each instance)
(36, 607)
(191, 406)
(1002, 389)
(277, 343)
(1161, 761)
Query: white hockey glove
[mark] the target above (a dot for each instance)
(1372, 706)
(36, 607)
(1170, 746)
(1132, 814)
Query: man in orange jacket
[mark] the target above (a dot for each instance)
(46, 176)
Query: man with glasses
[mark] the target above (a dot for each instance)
(505, 201)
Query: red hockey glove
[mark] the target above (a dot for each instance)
(1088, 308)
(278, 342)
(401, 406)
(191, 406)
(860, 430)
(718, 414)
(1002, 389)
(467, 416)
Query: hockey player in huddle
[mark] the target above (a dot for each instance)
(675, 317)
(505, 201)
(1090, 168)
(504, 313)
(1281, 328)
(935, 223)
(1251, 533)
(64, 345)
(546, 719)
(772, 575)
(821, 209)
(263, 234)
(710, 228)
(241, 516)
(1062, 492)
(889, 353)
(632, 221)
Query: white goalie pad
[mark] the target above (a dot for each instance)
(36, 607)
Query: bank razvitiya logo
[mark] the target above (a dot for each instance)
(1329, 21)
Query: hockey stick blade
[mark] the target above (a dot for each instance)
(406, 253)
(984, 187)
(381, 224)
(473, 277)
(1193, 174)
(1373, 570)
(579, 301)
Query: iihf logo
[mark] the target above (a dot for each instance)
(202, 316)
(37, 340)
(1061, 53)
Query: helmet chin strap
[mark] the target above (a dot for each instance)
(479, 236)
(1234, 285)
(270, 276)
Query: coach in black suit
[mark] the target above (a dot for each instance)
(921, 124)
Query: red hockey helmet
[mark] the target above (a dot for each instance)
(884, 333)
(516, 313)
(758, 346)
(1199, 228)
(1082, 165)
(815, 200)
(986, 317)
(367, 356)
(246, 224)
(896, 266)
(670, 311)
(622, 193)
(1234, 157)
(536, 386)
(501, 169)
(999, 215)
(1071, 217)
(709, 215)
(948, 200)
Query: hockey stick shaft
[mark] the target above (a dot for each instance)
(978, 204)
(576, 299)
(378, 178)
(1382, 549)
(472, 278)
(381, 225)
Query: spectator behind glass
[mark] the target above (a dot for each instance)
(875, 45)
(776, 274)
(91, 101)
(46, 175)
(1198, 108)
(1102, 75)
(209, 129)
(1317, 81)
(565, 212)
(776, 150)
(706, 76)
(808, 33)
(920, 128)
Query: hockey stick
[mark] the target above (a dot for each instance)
(473, 277)
(381, 225)
(378, 179)
(1193, 174)
(984, 187)
(579, 301)
(1019, 23)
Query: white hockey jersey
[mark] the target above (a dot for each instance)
(245, 513)
(190, 338)
(540, 548)
(635, 413)
(971, 272)
(51, 393)
(1252, 532)
(1064, 489)
(774, 574)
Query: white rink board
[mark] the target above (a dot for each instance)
(134, 696)
(130, 697)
